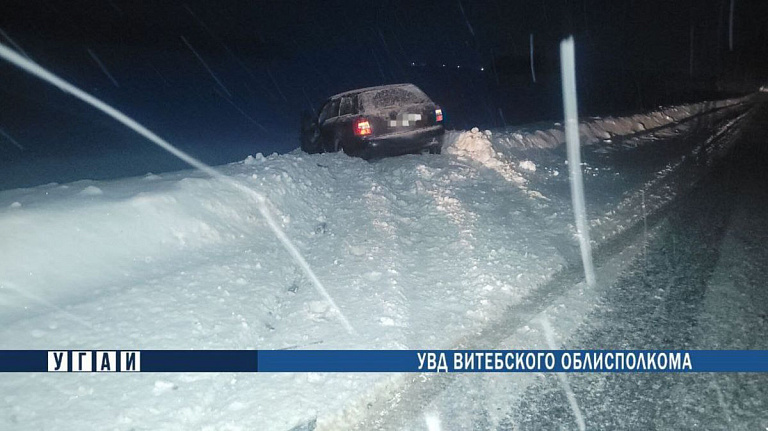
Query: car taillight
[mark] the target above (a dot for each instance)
(362, 127)
(438, 114)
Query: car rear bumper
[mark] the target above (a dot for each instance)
(401, 143)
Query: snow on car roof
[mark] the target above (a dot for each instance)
(380, 87)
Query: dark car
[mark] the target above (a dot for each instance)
(376, 122)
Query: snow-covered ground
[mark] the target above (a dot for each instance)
(418, 252)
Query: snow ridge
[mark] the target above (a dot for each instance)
(593, 130)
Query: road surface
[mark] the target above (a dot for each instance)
(692, 276)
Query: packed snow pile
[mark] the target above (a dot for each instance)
(605, 128)
(476, 145)
(412, 249)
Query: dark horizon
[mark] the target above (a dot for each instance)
(225, 81)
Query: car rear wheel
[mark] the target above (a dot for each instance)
(333, 146)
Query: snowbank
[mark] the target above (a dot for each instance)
(596, 129)
(418, 252)
(412, 249)
(88, 237)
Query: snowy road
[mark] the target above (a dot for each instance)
(702, 285)
(694, 279)
(459, 250)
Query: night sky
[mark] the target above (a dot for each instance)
(227, 79)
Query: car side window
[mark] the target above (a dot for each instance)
(347, 106)
(330, 110)
(324, 112)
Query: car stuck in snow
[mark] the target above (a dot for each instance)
(375, 122)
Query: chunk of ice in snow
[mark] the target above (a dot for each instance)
(318, 310)
(15, 205)
(528, 165)
(252, 160)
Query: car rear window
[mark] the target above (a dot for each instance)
(393, 96)
(347, 106)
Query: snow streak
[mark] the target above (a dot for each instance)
(533, 70)
(730, 26)
(40, 300)
(248, 117)
(469, 26)
(103, 68)
(205, 65)
(549, 333)
(35, 69)
(568, 71)
(10, 138)
(12, 42)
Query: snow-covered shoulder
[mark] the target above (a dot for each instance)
(417, 251)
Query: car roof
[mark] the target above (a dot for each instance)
(363, 90)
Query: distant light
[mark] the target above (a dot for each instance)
(458, 67)
(482, 69)
(443, 65)
(413, 64)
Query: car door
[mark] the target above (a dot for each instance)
(348, 113)
(327, 123)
